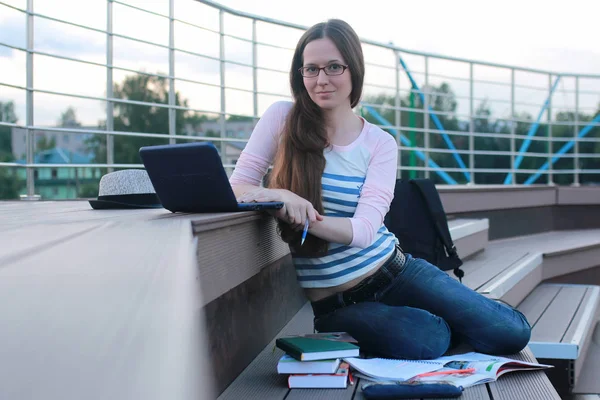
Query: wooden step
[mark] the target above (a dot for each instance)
(260, 380)
(563, 317)
(510, 269)
(470, 236)
(587, 381)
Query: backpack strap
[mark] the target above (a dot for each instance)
(429, 193)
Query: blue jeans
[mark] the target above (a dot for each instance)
(422, 311)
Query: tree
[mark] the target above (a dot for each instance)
(138, 118)
(441, 98)
(9, 183)
(69, 119)
(43, 143)
(239, 118)
(7, 114)
(484, 123)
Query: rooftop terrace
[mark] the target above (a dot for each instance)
(121, 299)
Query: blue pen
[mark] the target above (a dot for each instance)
(304, 232)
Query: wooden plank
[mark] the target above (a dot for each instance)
(117, 309)
(537, 301)
(553, 324)
(500, 254)
(79, 210)
(27, 240)
(558, 242)
(69, 212)
(530, 385)
(491, 263)
(478, 392)
(577, 319)
(569, 263)
(231, 255)
(260, 379)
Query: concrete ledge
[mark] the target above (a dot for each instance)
(524, 210)
(588, 195)
(460, 199)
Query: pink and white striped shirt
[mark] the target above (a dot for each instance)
(358, 183)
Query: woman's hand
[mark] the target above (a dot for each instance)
(295, 210)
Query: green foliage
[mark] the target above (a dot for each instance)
(9, 183)
(139, 118)
(88, 190)
(69, 118)
(43, 143)
(7, 114)
(443, 100)
(239, 118)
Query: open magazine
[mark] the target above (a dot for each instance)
(485, 368)
(462, 370)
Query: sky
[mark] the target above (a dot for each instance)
(558, 36)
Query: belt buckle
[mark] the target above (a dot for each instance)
(349, 301)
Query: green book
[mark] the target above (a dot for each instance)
(309, 349)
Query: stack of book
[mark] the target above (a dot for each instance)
(316, 361)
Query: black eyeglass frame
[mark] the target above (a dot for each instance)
(344, 68)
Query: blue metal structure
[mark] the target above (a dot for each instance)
(447, 178)
(437, 122)
(532, 130)
(568, 146)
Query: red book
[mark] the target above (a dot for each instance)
(338, 380)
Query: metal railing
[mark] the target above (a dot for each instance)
(426, 131)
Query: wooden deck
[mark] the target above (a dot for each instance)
(99, 304)
(71, 269)
(510, 269)
(260, 380)
(564, 320)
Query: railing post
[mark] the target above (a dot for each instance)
(550, 177)
(398, 115)
(222, 132)
(576, 135)
(254, 71)
(29, 133)
(513, 127)
(172, 111)
(471, 127)
(110, 123)
(426, 117)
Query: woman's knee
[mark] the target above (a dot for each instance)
(430, 340)
(510, 338)
(393, 332)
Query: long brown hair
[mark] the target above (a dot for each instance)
(300, 162)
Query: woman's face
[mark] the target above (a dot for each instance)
(327, 91)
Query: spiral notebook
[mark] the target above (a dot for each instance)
(393, 370)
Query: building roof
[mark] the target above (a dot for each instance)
(58, 155)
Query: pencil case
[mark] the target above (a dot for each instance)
(400, 390)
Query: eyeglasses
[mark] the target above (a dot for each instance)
(330, 70)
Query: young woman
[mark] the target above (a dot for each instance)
(337, 170)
